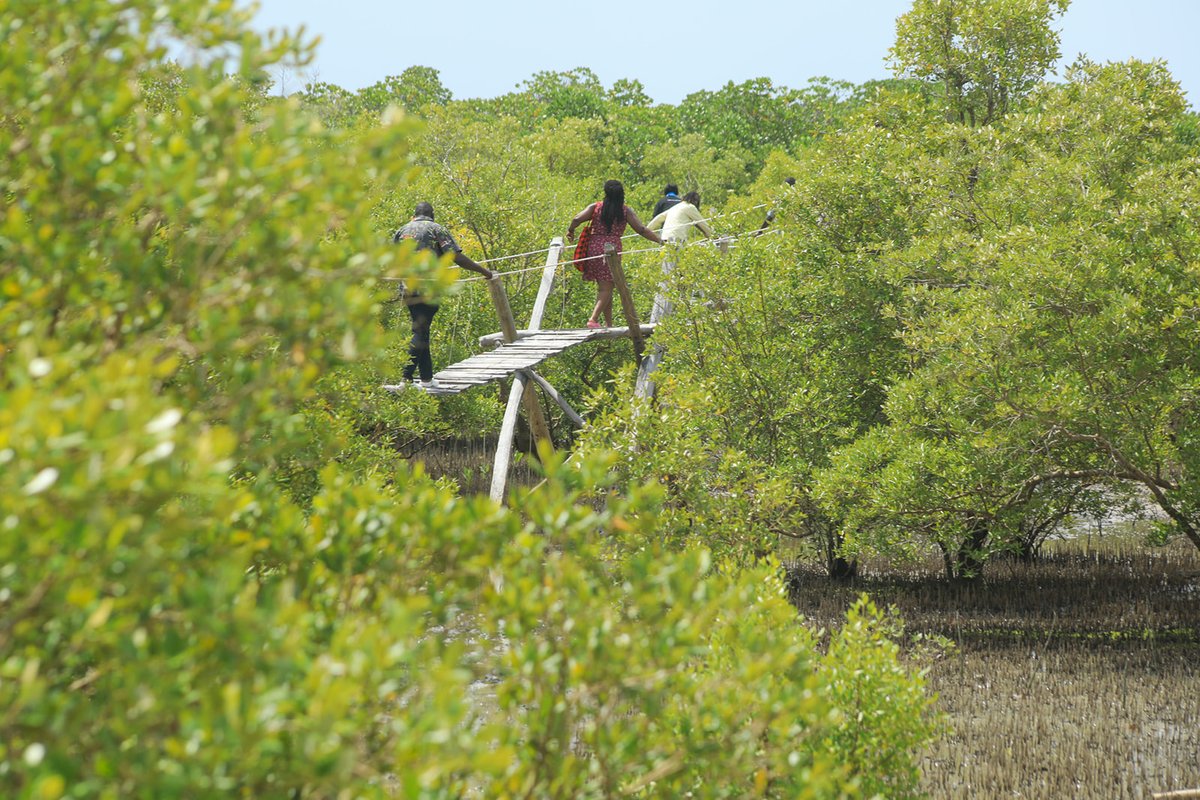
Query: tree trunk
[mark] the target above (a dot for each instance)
(836, 566)
(842, 570)
(970, 558)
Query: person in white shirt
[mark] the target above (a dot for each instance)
(677, 221)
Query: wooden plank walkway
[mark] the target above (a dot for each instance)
(531, 349)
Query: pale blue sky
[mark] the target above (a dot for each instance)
(484, 49)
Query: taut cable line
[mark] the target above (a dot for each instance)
(701, 242)
(496, 259)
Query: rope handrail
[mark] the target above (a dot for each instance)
(709, 219)
(509, 258)
(707, 242)
(496, 259)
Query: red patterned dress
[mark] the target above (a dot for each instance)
(595, 268)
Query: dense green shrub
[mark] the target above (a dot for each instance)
(213, 584)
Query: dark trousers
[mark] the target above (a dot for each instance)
(420, 361)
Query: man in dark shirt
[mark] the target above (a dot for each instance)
(428, 235)
(670, 198)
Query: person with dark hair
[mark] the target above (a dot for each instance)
(608, 219)
(670, 197)
(676, 222)
(432, 237)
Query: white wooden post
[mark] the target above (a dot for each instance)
(522, 387)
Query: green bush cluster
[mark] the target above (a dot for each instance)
(976, 321)
(213, 584)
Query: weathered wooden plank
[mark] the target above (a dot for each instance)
(506, 362)
(540, 342)
(500, 368)
(477, 378)
(587, 334)
(534, 357)
(506, 365)
(543, 336)
(509, 355)
(512, 365)
(443, 390)
(497, 374)
(524, 355)
(490, 375)
(491, 369)
(536, 347)
(543, 341)
(496, 367)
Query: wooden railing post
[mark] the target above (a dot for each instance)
(533, 409)
(508, 325)
(662, 309)
(522, 387)
(627, 307)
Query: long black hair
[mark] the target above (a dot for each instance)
(614, 204)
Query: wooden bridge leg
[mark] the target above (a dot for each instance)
(553, 394)
(644, 388)
(508, 325)
(627, 306)
(538, 425)
(505, 444)
(522, 389)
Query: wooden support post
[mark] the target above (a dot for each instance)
(533, 409)
(538, 425)
(553, 394)
(644, 388)
(522, 388)
(543, 295)
(627, 307)
(504, 444)
(508, 325)
(723, 245)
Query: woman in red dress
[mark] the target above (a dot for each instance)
(608, 219)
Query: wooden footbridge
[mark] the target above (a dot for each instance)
(531, 348)
(518, 351)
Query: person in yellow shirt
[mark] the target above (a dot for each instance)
(677, 221)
